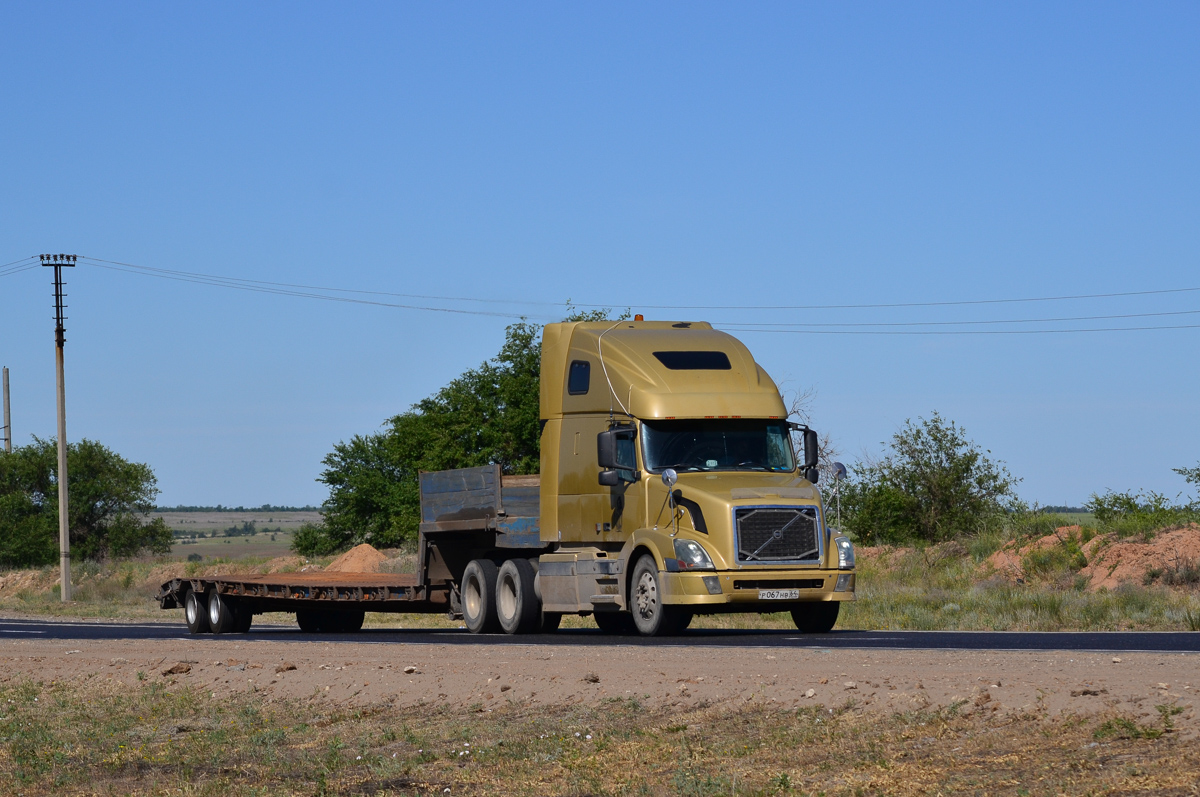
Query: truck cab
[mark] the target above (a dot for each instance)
(670, 487)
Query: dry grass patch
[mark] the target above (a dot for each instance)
(96, 737)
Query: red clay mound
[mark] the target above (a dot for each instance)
(360, 559)
(1110, 560)
(1118, 562)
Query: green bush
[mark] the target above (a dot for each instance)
(933, 484)
(109, 501)
(1129, 514)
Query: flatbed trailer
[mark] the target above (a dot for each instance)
(466, 514)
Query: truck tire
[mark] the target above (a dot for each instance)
(309, 621)
(347, 621)
(651, 616)
(616, 623)
(195, 613)
(479, 597)
(244, 619)
(816, 618)
(517, 607)
(222, 615)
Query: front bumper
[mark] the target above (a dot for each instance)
(740, 589)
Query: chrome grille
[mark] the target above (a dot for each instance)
(777, 534)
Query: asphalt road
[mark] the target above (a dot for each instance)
(1095, 641)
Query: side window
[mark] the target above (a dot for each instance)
(580, 377)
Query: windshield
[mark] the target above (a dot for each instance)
(717, 445)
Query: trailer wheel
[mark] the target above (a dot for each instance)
(222, 618)
(517, 607)
(244, 619)
(348, 621)
(816, 618)
(195, 613)
(308, 620)
(651, 616)
(479, 597)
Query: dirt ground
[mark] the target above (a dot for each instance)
(483, 677)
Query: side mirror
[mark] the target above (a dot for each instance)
(669, 477)
(614, 448)
(812, 474)
(812, 450)
(839, 471)
(615, 454)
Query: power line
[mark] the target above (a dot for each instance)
(736, 328)
(802, 326)
(202, 279)
(957, 303)
(17, 270)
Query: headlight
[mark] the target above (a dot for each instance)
(692, 556)
(845, 550)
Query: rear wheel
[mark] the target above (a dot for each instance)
(816, 618)
(479, 597)
(222, 615)
(517, 607)
(651, 616)
(195, 613)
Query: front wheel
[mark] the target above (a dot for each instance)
(651, 616)
(816, 618)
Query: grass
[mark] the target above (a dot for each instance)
(99, 737)
(933, 588)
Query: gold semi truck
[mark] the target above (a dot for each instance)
(669, 487)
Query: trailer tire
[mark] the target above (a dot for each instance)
(816, 618)
(195, 613)
(651, 616)
(479, 597)
(309, 621)
(222, 616)
(245, 617)
(517, 606)
(348, 621)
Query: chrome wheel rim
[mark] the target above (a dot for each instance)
(472, 599)
(508, 599)
(647, 595)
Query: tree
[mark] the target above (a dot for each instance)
(109, 501)
(932, 484)
(487, 415)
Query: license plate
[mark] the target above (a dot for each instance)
(778, 594)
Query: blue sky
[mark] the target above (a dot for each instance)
(630, 155)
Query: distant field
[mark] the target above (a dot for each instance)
(223, 534)
(219, 521)
(235, 547)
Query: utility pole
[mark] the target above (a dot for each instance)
(64, 526)
(7, 417)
